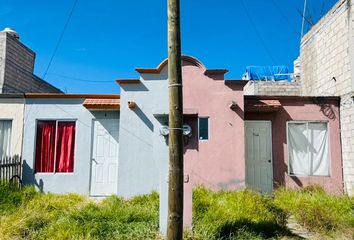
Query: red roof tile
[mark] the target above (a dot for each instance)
(92, 103)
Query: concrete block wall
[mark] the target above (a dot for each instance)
(347, 135)
(327, 68)
(16, 68)
(272, 88)
(325, 54)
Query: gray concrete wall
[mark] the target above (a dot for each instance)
(60, 109)
(143, 152)
(325, 54)
(16, 68)
(327, 63)
(274, 88)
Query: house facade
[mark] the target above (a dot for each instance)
(70, 143)
(261, 142)
(325, 68)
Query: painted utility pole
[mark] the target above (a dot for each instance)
(175, 179)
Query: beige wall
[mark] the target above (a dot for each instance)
(12, 108)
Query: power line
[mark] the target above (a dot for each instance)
(257, 32)
(60, 38)
(285, 18)
(79, 79)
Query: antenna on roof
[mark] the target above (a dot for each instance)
(303, 18)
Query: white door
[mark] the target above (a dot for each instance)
(259, 166)
(104, 165)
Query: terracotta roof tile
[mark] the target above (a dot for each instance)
(262, 105)
(92, 103)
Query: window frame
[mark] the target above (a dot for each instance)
(11, 134)
(329, 147)
(75, 120)
(208, 118)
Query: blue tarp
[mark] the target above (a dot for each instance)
(273, 73)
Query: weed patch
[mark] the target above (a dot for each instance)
(236, 215)
(316, 210)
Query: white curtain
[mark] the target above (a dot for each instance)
(298, 149)
(308, 149)
(5, 137)
(319, 153)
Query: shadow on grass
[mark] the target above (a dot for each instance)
(265, 230)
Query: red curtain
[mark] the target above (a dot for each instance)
(65, 147)
(45, 146)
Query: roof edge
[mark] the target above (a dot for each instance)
(128, 81)
(71, 95)
(276, 97)
(12, 95)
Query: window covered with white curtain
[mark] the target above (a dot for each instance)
(308, 148)
(5, 138)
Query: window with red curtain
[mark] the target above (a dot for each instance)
(55, 146)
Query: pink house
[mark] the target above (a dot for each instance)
(237, 141)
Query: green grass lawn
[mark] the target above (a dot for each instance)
(27, 214)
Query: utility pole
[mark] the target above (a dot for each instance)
(175, 179)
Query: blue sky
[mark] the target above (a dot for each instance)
(108, 39)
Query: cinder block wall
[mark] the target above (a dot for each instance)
(347, 135)
(324, 54)
(16, 68)
(327, 63)
(273, 88)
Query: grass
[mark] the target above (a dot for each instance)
(245, 214)
(70, 216)
(237, 215)
(317, 210)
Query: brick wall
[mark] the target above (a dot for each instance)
(272, 88)
(18, 64)
(327, 68)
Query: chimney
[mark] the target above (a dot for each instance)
(12, 33)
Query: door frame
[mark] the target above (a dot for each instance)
(269, 122)
(91, 153)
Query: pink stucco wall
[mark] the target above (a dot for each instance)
(303, 109)
(217, 163)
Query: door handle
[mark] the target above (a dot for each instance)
(269, 160)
